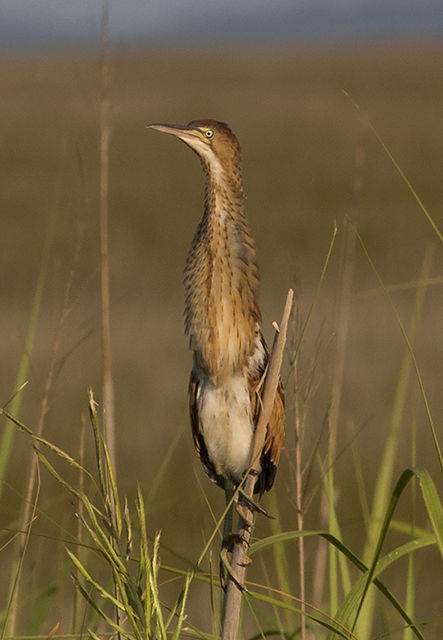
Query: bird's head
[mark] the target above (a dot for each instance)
(213, 142)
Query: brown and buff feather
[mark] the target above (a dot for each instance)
(222, 318)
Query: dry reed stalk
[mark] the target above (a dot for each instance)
(300, 472)
(344, 298)
(239, 558)
(105, 137)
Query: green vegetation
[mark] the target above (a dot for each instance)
(349, 213)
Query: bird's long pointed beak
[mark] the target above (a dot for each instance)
(180, 131)
(192, 136)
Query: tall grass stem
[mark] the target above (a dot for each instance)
(105, 138)
(387, 464)
(8, 433)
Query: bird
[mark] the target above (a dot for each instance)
(223, 319)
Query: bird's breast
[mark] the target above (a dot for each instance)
(221, 281)
(226, 425)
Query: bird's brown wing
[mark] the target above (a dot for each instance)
(275, 430)
(197, 435)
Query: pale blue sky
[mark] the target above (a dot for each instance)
(49, 23)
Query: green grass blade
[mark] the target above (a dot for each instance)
(160, 625)
(212, 589)
(400, 171)
(100, 537)
(114, 625)
(408, 183)
(46, 443)
(390, 447)
(181, 615)
(93, 583)
(279, 550)
(405, 528)
(335, 561)
(7, 438)
(293, 535)
(411, 578)
(351, 602)
(433, 504)
(144, 560)
(113, 499)
(410, 349)
(58, 477)
(321, 619)
(98, 441)
(410, 594)
(128, 529)
(435, 512)
(122, 587)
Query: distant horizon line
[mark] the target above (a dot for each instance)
(286, 25)
(183, 46)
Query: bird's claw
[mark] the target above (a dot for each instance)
(253, 506)
(227, 569)
(232, 539)
(246, 562)
(245, 512)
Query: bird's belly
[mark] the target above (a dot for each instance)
(226, 425)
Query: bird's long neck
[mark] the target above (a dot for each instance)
(221, 281)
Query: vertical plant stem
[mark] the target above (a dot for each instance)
(321, 557)
(12, 606)
(105, 137)
(299, 505)
(231, 617)
(8, 432)
(408, 633)
(342, 326)
(81, 487)
(386, 468)
(33, 467)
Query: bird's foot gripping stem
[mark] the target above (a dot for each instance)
(249, 505)
(226, 568)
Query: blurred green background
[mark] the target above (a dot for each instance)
(300, 135)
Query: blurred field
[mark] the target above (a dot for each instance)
(299, 134)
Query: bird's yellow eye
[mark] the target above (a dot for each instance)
(208, 133)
